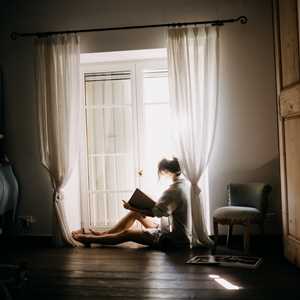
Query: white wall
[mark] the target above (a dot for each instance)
(246, 144)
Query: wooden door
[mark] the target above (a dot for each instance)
(288, 100)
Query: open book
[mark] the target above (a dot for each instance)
(250, 262)
(140, 200)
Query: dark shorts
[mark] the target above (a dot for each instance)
(163, 241)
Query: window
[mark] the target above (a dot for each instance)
(127, 131)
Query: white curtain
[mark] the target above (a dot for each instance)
(58, 83)
(193, 81)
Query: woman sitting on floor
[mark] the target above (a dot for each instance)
(172, 204)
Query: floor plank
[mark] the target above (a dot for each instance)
(141, 273)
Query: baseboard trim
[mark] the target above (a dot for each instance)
(256, 237)
(37, 241)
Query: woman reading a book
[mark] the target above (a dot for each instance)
(171, 208)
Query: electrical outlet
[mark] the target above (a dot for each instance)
(30, 219)
(26, 222)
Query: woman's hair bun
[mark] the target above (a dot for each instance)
(170, 165)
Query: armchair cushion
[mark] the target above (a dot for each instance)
(237, 215)
(249, 194)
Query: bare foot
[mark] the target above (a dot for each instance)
(79, 231)
(83, 238)
(85, 231)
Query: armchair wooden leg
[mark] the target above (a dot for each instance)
(247, 238)
(229, 234)
(216, 234)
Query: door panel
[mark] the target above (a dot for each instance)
(110, 139)
(288, 101)
(292, 132)
(289, 42)
(155, 137)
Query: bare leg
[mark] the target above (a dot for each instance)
(126, 222)
(148, 223)
(139, 237)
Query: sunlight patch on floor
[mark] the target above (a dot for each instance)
(224, 283)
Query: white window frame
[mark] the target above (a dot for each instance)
(136, 68)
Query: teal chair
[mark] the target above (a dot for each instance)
(247, 205)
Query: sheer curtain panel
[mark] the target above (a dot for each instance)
(57, 79)
(193, 81)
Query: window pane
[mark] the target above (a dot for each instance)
(95, 134)
(157, 127)
(109, 130)
(108, 89)
(156, 88)
(113, 173)
(157, 143)
(98, 209)
(119, 173)
(118, 130)
(113, 206)
(108, 208)
(96, 173)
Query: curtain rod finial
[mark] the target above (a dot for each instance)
(243, 19)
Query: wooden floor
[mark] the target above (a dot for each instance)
(139, 273)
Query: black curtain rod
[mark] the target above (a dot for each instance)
(241, 19)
